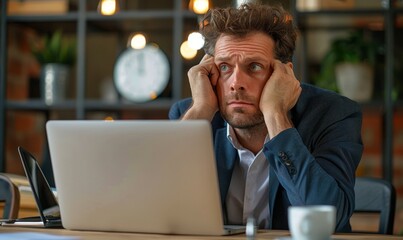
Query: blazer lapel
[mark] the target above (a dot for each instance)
(226, 155)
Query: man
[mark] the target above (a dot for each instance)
(282, 142)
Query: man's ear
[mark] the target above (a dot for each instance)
(290, 64)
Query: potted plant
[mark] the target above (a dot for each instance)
(348, 67)
(56, 57)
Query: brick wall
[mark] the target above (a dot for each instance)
(23, 128)
(371, 163)
(398, 169)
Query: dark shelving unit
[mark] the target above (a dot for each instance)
(79, 21)
(386, 105)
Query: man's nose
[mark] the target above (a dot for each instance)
(238, 80)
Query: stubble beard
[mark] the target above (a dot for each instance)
(239, 118)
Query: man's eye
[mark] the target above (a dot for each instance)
(255, 67)
(224, 68)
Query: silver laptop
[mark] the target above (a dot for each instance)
(150, 176)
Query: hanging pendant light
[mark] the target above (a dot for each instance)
(199, 6)
(108, 7)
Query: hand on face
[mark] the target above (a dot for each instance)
(281, 91)
(203, 79)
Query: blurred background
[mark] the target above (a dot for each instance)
(87, 41)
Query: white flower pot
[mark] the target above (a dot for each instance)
(355, 80)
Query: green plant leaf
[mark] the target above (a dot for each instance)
(56, 50)
(354, 48)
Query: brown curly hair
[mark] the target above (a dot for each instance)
(251, 17)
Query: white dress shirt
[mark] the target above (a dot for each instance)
(248, 194)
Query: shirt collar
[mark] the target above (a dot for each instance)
(231, 136)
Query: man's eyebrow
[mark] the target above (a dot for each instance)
(254, 59)
(222, 58)
(247, 59)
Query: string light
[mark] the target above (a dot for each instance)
(138, 41)
(186, 51)
(195, 40)
(199, 6)
(108, 7)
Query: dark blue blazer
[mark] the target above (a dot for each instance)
(312, 163)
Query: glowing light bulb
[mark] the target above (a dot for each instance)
(199, 6)
(107, 7)
(195, 40)
(186, 51)
(138, 41)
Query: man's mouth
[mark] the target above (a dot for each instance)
(237, 103)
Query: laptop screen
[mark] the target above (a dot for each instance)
(46, 201)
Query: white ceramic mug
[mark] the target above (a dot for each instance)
(315, 222)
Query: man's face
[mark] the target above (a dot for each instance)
(244, 66)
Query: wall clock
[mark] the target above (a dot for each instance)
(141, 75)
